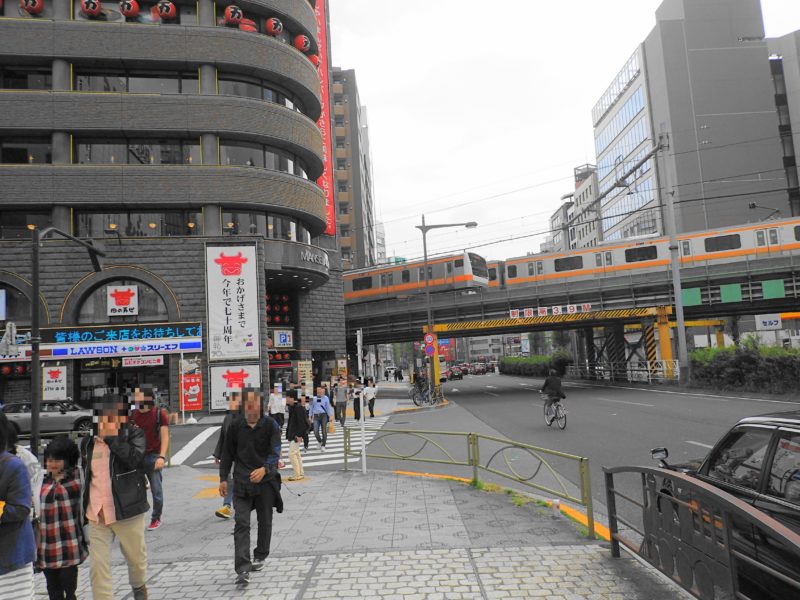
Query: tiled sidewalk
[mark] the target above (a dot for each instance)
(383, 536)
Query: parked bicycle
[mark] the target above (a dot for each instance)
(554, 412)
(421, 396)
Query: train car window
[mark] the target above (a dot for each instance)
(449, 269)
(641, 253)
(531, 269)
(512, 271)
(362, 283)
(797, 233)
(598, 259)
(539, 268)
(761, 238)
(387, 279)
(723, 242)
(571, 263)
(405, 276)
(686, 247)
(459, 263)
(422, 273)
(773, 237)
(493, 274)
(609, 260)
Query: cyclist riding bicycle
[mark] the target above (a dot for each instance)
(552, 388)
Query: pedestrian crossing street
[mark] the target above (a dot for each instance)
(334, 449)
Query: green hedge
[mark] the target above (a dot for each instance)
(750, 368)
(535, 366)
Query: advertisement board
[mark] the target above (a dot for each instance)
(54, 383)
(129, 362)
(226, 378)
(305, 371)
(192, 392)
(232, 295)
(283, 338)
(325, 180)
(122, 300)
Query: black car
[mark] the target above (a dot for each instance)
(758, 461)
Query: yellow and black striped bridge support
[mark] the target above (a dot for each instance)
(650, 350)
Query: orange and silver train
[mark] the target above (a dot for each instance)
(452, 272)
(697, 249)
(642, 255)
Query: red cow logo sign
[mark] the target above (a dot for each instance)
(230, 265)
(235, 379)
(123, 300)
(123, 297)
(54, 373)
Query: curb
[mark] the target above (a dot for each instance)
(600, 529)
(443, 404)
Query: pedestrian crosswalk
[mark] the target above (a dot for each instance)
(334, 449)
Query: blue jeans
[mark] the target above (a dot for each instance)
(321, 422)
(156, 487)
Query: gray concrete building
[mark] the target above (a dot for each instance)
(175, 142)
(354, 182)
(701, 84)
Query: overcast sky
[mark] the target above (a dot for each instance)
(481, 110)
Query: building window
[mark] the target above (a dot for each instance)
(174, 223)
(342, 186)
(25, 78)
(347, 255)
(14, 224)
(136, 152)
(344, 231)
(338, 121)
(344, 209)
(25, 151)
(255, 155)
(341, 143)
(341, 165)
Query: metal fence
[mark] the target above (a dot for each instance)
(75, 436)
(482, 453)
(712, 544)
(653, 371)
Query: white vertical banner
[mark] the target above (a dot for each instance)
(225, 379)
(54, 383)
(2, 305)
(232, 300)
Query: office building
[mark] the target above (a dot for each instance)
(700, 84)
(185, 140)
(353, 168)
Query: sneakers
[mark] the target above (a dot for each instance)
(225, 512)
(304, 450)
(154, 524)
(295, 478)
(281, 464)
(243, 578)
(256, 565)
(322, 448)
(140, 593)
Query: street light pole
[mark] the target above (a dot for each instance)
(425, 229)
(36, 335)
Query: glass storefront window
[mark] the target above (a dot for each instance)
(25, 152)
(161, 152)
(137, 152)
(89, 82)
(241, 87)
(245, 223)
(151, 306)
(101, 153)
(14, 225)
(25, 78)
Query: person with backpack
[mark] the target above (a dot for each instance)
(62, 546)
(155, 424)
(234, 412)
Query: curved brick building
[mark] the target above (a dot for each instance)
(178, 135)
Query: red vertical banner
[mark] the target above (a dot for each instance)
(326, 179)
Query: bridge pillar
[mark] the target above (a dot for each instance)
(615, 350)
(651, 354)
(720, 337)
(665, 342)
(590, 351)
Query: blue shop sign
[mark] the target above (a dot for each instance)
(128, 332)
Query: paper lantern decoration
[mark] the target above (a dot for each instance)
(285, 308)
(129, 9)
(269, 319)
(233, 15)
(274, 26)
(5, 370)
(284, 298)
(19, 369)
(248, 25)
(302, 43)
(32, 7)
(91, 8)
(166, 10)
(314, 59)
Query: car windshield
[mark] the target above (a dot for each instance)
(740, 458)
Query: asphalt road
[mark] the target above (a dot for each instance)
(612, 426)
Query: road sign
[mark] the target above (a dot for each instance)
(428, 338)
(769, 322)
(430, 350)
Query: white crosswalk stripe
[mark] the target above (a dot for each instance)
(334, 448)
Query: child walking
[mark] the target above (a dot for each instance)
(62, 546)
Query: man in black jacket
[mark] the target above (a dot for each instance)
(114, 496)
(253, 443)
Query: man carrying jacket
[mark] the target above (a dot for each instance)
(114, 496)
(253, 443)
